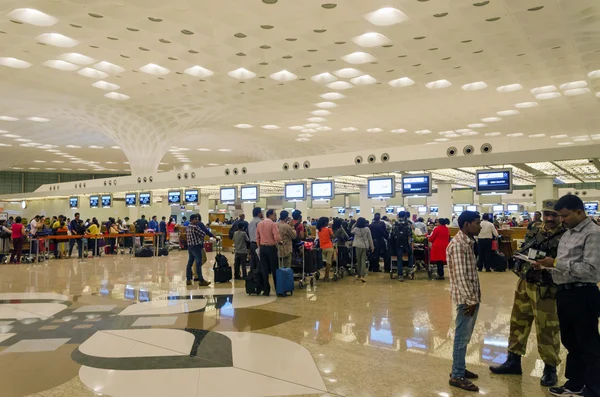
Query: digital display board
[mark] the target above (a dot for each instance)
(322, 190)
(73, 203)
(497, 208)
(295, 191)
(130, 200)
(434, 209)
(145, 199)
(94, 201)
(591, 207)
(106, 200)
(191, 196)
(228, 194)
(416, 185)
(381, 187)
(494, 181)
(174, 197)
(458, 209)
(513, 207)
(422, 209)
(472, 208)
(249, 193)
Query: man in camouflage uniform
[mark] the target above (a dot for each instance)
(535, 300)
(533, 227)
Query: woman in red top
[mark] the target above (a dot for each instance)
(325, 235)
(439, 239)
(18, 236)
(170, 227)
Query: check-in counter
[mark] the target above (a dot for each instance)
(223, 231)
(509, 239)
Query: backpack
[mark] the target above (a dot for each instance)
(402, 233)
(4, 234)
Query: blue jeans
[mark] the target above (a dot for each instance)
(194, 254)
(400, 253)
(462, 337)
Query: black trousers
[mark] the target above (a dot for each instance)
(268, 265)
(240, 261)
(380, 251)
(578, 312)
(254, 260)
(440, 268)
(485, 253)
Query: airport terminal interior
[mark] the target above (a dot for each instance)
(122, 110)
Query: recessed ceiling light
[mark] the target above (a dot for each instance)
(438, 84)
(573, 84)
(320, 112)
(6, 145)
(203, 149)
(594, 74)
(39, 161)
(38, 119)
(386, 16)
(339, 85)
(548, 95)
(116, 96)
(316, 119)
(509, 88)
(270, 127)
(95, 147)
(198, 71)
(241, 74)
(32, 17)
(441, 139)
(515, 135)
(23, 140)
(109, 67)
(581, 139)
(283, 76)
(302, 139)
(115, 147)
(401, 82)
(156, 70)
(61, 65)
(333, 96)
(8, 118)
(79, 59)
(357, 58)
(561, 136)
(524, 105)
(324, 128)
(543, 90)
(212, 164)
(363, 80)
(243, 126)
(57, 40)
(91, 73)
(446, 132)
(537, 135)
(312, 125)
(14, 63)
(478, 85)
(297, 128)
(399, 131)
(323, 78)
(326, 105)
(305, 135)
(431, 143)
(374, 130)
(493, 134)
(511, 112)
(106, 86)
(371, 39)
(224, 150)
(347, 73)
(477, 125)
(423, 132)
(309, 130)
(349, 129)
(576, 91)
(565, 143)
(73, 147)
(491, 119)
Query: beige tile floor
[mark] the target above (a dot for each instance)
(382, 338)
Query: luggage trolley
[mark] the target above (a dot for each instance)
(299, 266)
(174, 239)
(337, 274)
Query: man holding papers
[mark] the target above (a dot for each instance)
(535, 299)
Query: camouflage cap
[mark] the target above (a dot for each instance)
(548, 205)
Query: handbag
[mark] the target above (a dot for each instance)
(494, 245)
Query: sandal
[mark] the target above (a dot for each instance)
(463, 383)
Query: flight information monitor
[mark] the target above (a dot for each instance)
(497, 208)
(228, 194)
(381, 187)
(130, 200)
(494, 181)
(322, 190)
(94, 201)
(191, 196)
(249, 193)
(591, 207)
(145, 199)
(512, 208)
(73, 203)
(422, 209)
(106, 200)
(458, 209)
(433, 209)
(472, 208)
(295, 191)
(416, 185)
(174, 197)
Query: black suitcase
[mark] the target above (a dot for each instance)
(223, 274)
(254, 283)
(144, 252)
(164, 251)
(499, 262)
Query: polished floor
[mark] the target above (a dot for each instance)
(124, 327)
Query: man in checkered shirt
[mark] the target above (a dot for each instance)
(466, 295)
(195, 239)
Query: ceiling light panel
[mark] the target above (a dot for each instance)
(573, 85)
(433, 85)
(14, 63)
(242, 74)
(349, 129)
(316, 119)
(359, 58)
(333, 96)
(61, 65)
(56, 40)
(323, 129)
(509, 88)
(76, 58)
(243, 126)
(576, 91)
(155, 70)
(324, 78)
(347, 73)
(270, 127)
(399, 131)
(32, 17)
(371, 39)
(546, 167)
(38, 119)
(401, 82)
(283, 76)
(340, 85)
(116, 96)
(511, 112)
(198, 71)
(525, 105)
(374, 130)
(490, 119)
(8, 118)
(386, 16)
(363, 80)
(543, 90)
(320, 112)
(108, 67)
(477, 125)
(326, 105)
(548, 95)
(92, 73)
(478, 85)
(103, 85)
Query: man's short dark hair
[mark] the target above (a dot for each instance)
(467, 217)
(164, 218)
(401, 214)
(184, 219)
(143, 216)
(385, 218)
(485, 217)
(256, 211)
(194, 216)
(377, 216)
(570, 202)
(420, 219)
(270, 212)
(283, 215)
(77, 214)
(296, 214)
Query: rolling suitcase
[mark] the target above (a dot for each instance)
(254, 282)
(284, 282)
(499, 262)
(223, 272)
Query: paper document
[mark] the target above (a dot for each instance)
(524, 258)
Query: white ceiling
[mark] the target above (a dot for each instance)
(500, 43)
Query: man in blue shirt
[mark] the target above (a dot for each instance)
(185, 222)
(153, 224)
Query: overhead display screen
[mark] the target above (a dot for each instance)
(497, 208)
(433, 209)
(174, 197)
(422, 209)
(130, 200)
(145, 199)
(106, 201)
(191, 196)
(381, 187)
(295, 191)
(228, 194)
(249, 193)
(94, 201)
(322, 190)
(416, 185)
(472, 208)
(74, 203)
(494, 181)
(513, 207)
(591, 207)
(458, 209)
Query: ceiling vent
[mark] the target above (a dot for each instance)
(385, 158)
(486, 148)
(306, 165)
(235, 171)
(451, 152)
(296, 165)
(227, 172)
(244, 170)
(358, 160)
(468, 150)
(371, 159)
(286, 167)
(193, 175)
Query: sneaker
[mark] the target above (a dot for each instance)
(203, 283)
(188, 282)
(411, 274)
(566, 390)
(401, 279)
